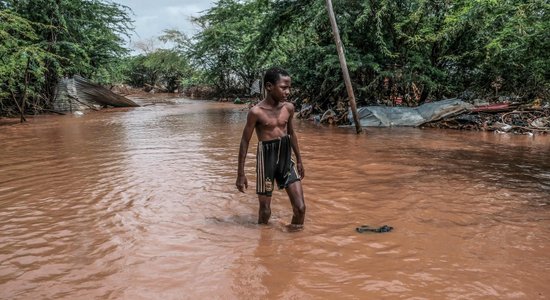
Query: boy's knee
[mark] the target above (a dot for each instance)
(264, 215)
(265, 211)
(300, 209)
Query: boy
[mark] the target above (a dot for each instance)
(272, 120)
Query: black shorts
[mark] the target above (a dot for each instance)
(274, 163)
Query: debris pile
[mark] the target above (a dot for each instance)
(336, 116)
(199, 92)
(449, 113)
(500, 117)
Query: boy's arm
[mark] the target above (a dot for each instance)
(294, 140)
(242, 181)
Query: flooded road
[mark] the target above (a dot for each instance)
(141, 204)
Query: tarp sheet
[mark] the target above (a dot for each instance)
(384, 116)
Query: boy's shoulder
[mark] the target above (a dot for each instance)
(290, 107)
(254, 109)
(259, 106)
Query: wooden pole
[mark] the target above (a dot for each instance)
(24, 96)
(343, 65)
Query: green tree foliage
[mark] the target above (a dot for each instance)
(414, 51)
(22, 65)
(517, 51)
(169, 69)
(409, 51)
(164, 68)
(226, 52)
(45, 39)
(226, 30)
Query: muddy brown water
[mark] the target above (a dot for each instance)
(141, 204)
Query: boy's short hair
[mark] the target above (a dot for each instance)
(273, 74)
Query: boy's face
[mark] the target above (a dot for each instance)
(280, 90)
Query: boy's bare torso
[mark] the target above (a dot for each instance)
(272, 121)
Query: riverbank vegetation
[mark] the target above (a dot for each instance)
(398, 52)
(44, 40)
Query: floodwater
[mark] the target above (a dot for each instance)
(141, 204)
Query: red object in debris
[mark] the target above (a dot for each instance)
(492, 107)
(398, 100)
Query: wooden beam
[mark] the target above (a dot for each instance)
(343, 65)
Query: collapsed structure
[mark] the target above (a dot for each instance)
(78, 93)
(449, 113)
(457, 114)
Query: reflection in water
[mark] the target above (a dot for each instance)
(141, 204)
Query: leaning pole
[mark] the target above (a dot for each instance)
(344, 66)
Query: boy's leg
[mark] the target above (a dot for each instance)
(265, 209)
(296, 196)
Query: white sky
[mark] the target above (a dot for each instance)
(151, 17)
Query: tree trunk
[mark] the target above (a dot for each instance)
(24, 95)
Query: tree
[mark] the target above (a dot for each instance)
(23, 63)
(157, 67)
(398, 52)
(67, 37)
(224, 48)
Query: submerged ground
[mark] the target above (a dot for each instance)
(140, 204)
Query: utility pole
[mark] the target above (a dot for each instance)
(343, 65)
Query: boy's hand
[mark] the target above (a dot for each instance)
(242, 183)
(301, 170)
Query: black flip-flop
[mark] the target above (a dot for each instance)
(367, 228)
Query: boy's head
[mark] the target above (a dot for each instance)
(273, 75)
(277, 84)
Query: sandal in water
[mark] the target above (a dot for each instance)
(367, 228)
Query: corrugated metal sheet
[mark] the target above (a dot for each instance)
(78, 93)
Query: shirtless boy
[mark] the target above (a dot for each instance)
(272, 119)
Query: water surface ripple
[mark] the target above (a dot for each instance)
(141, 204)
